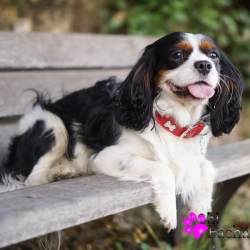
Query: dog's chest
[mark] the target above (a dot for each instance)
(177, 152)
(185, 161)
(183, 156)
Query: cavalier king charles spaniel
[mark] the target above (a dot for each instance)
(152, 127)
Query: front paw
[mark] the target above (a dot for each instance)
(168, 215)
(201, 206)
(170, 222)
(61, 172)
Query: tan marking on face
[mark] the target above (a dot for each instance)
(184, 45)
(206, 45)
(159, 76)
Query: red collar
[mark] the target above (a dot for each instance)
(169, 124)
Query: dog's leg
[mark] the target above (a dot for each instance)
(40, 172)
(77, 166)
(201, 201)
(115, 162)
(40, 142)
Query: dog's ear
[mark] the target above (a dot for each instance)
(133, 101)
(226, 103)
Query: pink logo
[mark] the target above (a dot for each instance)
(199, 228)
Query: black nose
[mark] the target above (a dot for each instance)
(204, 67)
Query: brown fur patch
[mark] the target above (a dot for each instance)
(138, 71)
(143, 74)
(159, 76)
(184, 45)
(206, 45)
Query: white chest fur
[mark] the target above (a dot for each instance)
(183, 155)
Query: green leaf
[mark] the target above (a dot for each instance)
(118, 245)
(145, 246)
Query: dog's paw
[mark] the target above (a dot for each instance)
(61, 172)
(170, 222)
(168, 215)
(201, 207)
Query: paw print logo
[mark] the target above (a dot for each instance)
(199, 228)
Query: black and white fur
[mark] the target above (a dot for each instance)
(110, 127)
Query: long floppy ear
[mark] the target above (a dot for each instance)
(226, 103)
(133, 101)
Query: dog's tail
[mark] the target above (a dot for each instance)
(9, 183)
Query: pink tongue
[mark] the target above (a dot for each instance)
(201, 90)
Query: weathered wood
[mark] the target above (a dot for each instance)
(47, 51)
(232, 160)
(47, 208)
(14, 100)
(60, 205)
(6, 131)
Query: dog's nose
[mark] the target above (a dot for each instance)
(204, 67)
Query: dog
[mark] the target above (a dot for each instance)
(153, 127)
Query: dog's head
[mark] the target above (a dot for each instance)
(185, 68)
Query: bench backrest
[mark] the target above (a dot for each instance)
(57, 64)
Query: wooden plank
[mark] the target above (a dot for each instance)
(47, 51)
(6, 131)
(60, 205)
(15, 101)
(232, 160)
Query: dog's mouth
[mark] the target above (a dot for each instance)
(198, 90)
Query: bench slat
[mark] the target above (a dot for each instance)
(47, 51)
(6, 131)
(60, 205)
(14, 101)
(52, 207)
(232, 160)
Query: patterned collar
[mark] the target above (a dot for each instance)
(169, 124)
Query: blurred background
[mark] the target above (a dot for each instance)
(226, 21)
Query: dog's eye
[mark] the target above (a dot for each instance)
(213, 55)
(177, 55)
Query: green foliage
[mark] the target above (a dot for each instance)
(145, 246)
(226, 21)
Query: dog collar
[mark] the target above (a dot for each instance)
(168, 123)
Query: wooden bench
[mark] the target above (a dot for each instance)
(60, 64)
